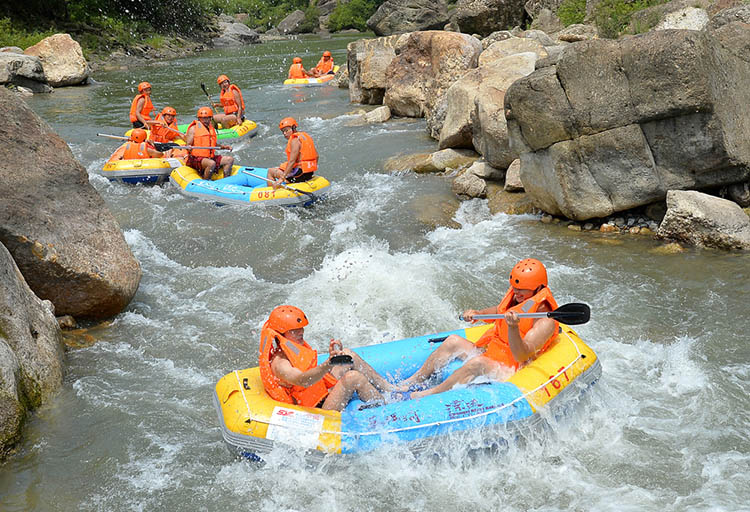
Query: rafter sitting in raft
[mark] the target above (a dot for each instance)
(138, 148)
(296, 70)
(301, 156)
(290, 371)
(510, 344)
(324, 66)
(141, 107)
(233, 103)
(202, 133)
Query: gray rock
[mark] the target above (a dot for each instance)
(58, 229)
(62, 60)
(500, 35)
(379, 115)
(740, 13)
(235, 34)
(534, 8)
(11, 49)
(547, 22)
(367, 61)
(426, 64)
(292, 23)
(469, 185)
(399, 16)
(513, 181)
(487, 16)
(740, 193)
(23, 70)
(705, 221)
(31, 351)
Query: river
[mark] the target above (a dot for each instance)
(134, 427)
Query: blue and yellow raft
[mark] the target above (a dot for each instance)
(252, 423)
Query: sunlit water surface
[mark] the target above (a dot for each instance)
(134, 427)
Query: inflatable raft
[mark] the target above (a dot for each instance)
(146, 170)
(252, 422)
(312, 81)
(244, 189)
(247, 129)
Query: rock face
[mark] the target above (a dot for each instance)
(235, 34)
(398, 16)
(615, 124)
(24, 71)
(486, 16)
(705, 221)
(63, 238)
(291, 24)
(62, 60)
(31, 351)
(426, 64)
(367, 61)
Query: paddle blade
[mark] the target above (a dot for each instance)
(575, 313)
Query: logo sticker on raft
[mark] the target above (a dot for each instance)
(295, 427)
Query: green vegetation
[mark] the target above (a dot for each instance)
(353, 14)
(613, 16)
(11, 35)
(572, 11)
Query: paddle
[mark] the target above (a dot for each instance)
(574, 313)
(119, 137)
(203, 86)
(167, 127)
(312, 196)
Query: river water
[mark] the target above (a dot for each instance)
(134, 426)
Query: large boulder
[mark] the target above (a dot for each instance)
(234, 34)
(65, 241)
(31, 351)
(292, 23)
(486, 16)
(399, 16)
(367, 61)
(705, 221)
(23, 71)
(615, 124)
(62, 60)
(426, 64)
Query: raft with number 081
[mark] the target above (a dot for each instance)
(252, 423)
(247, 186)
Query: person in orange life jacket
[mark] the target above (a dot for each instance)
(511, 343)
(164, 127)
(296, 70)
(233, 103)
(139, 148)
(301, 156)
(203, 133)
(141, 107)
(291, 374)
(324, 66)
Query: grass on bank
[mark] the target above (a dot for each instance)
(611, 17)
(13, 35)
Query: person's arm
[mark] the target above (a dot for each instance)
(284, 370)
(238, 100)
(470, 313)
(153, 153)
(189, 136)
(526, 347)
(138, 107)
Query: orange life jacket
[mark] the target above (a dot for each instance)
(308, 155)
(203, 137)
(145, 110)
(497, 337)
(227, 100)
(324, 66)
(159, 132)
(303, 357)
(295, 71)
(135, 151)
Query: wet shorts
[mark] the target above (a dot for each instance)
(298, 176)
(195, 161)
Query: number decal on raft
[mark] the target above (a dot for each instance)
(556, 383)
(266, 194)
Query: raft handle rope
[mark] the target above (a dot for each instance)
(552, 378)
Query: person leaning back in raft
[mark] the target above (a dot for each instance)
(233, 103)
(204, 159)
(511, 343)
(139, 148)
(141, 107)
(301, 156)
(291, 374)
(296, 70)
(324, 66)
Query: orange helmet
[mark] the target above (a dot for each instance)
(204, 112)
(297, 60)
(287, 122)
(528, 274)
(222, 78)
(169, 111)
(138, 135)
(326, 53)
(143, 85)
(286, 318)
